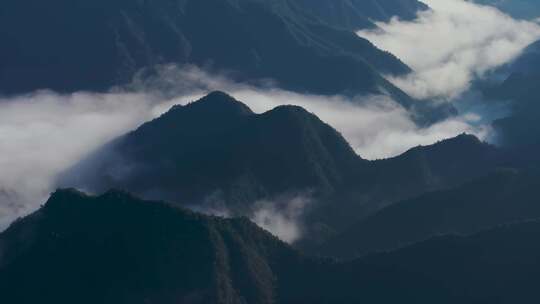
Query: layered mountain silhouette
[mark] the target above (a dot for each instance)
(503, 197)
(217, 153)
(115, 248)
(75, 45)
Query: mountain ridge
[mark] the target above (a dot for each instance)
(115, 248)
(499, 198)
(242, 158)
(520, 91)
(255, 39)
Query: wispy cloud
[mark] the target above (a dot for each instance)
(43, 133)
(451, 45)
(282, 220)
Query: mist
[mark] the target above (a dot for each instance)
(44, 133)
(283, 220)
(281, 216)
(451, 45)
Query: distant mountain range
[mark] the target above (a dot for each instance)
(502, 197)
(75, 45)
(115, 248)
(216, 151)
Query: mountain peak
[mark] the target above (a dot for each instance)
(216, 144)
(463, 142)
(290, 110)
(220, 102)
(217, 107)
(462, 138)
(65, 193)
(64, 197)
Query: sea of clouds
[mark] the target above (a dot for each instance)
(44, 133)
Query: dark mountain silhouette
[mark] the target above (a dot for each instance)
(68, 45)
(115, 248)
(443, 165)
(447, 162)
(495, 266)
(216, 153)
(519, 76)
(217, 147)
(503, 197)
(520, 87)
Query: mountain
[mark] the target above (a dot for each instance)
(115, 248)
(503, 197)
(217, 149)
(519, 76)
(521, 128)
(520, 87)
(357, 14)
(242, 158)
(529, 61)
(382, 183)
(495, 266)
(521, 9)
(68, 45)
(447, 162)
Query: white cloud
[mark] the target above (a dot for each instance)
(451, 45)
(43, 133)
(282, 221)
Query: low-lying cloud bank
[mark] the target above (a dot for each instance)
(43, 133)
(451, 45)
